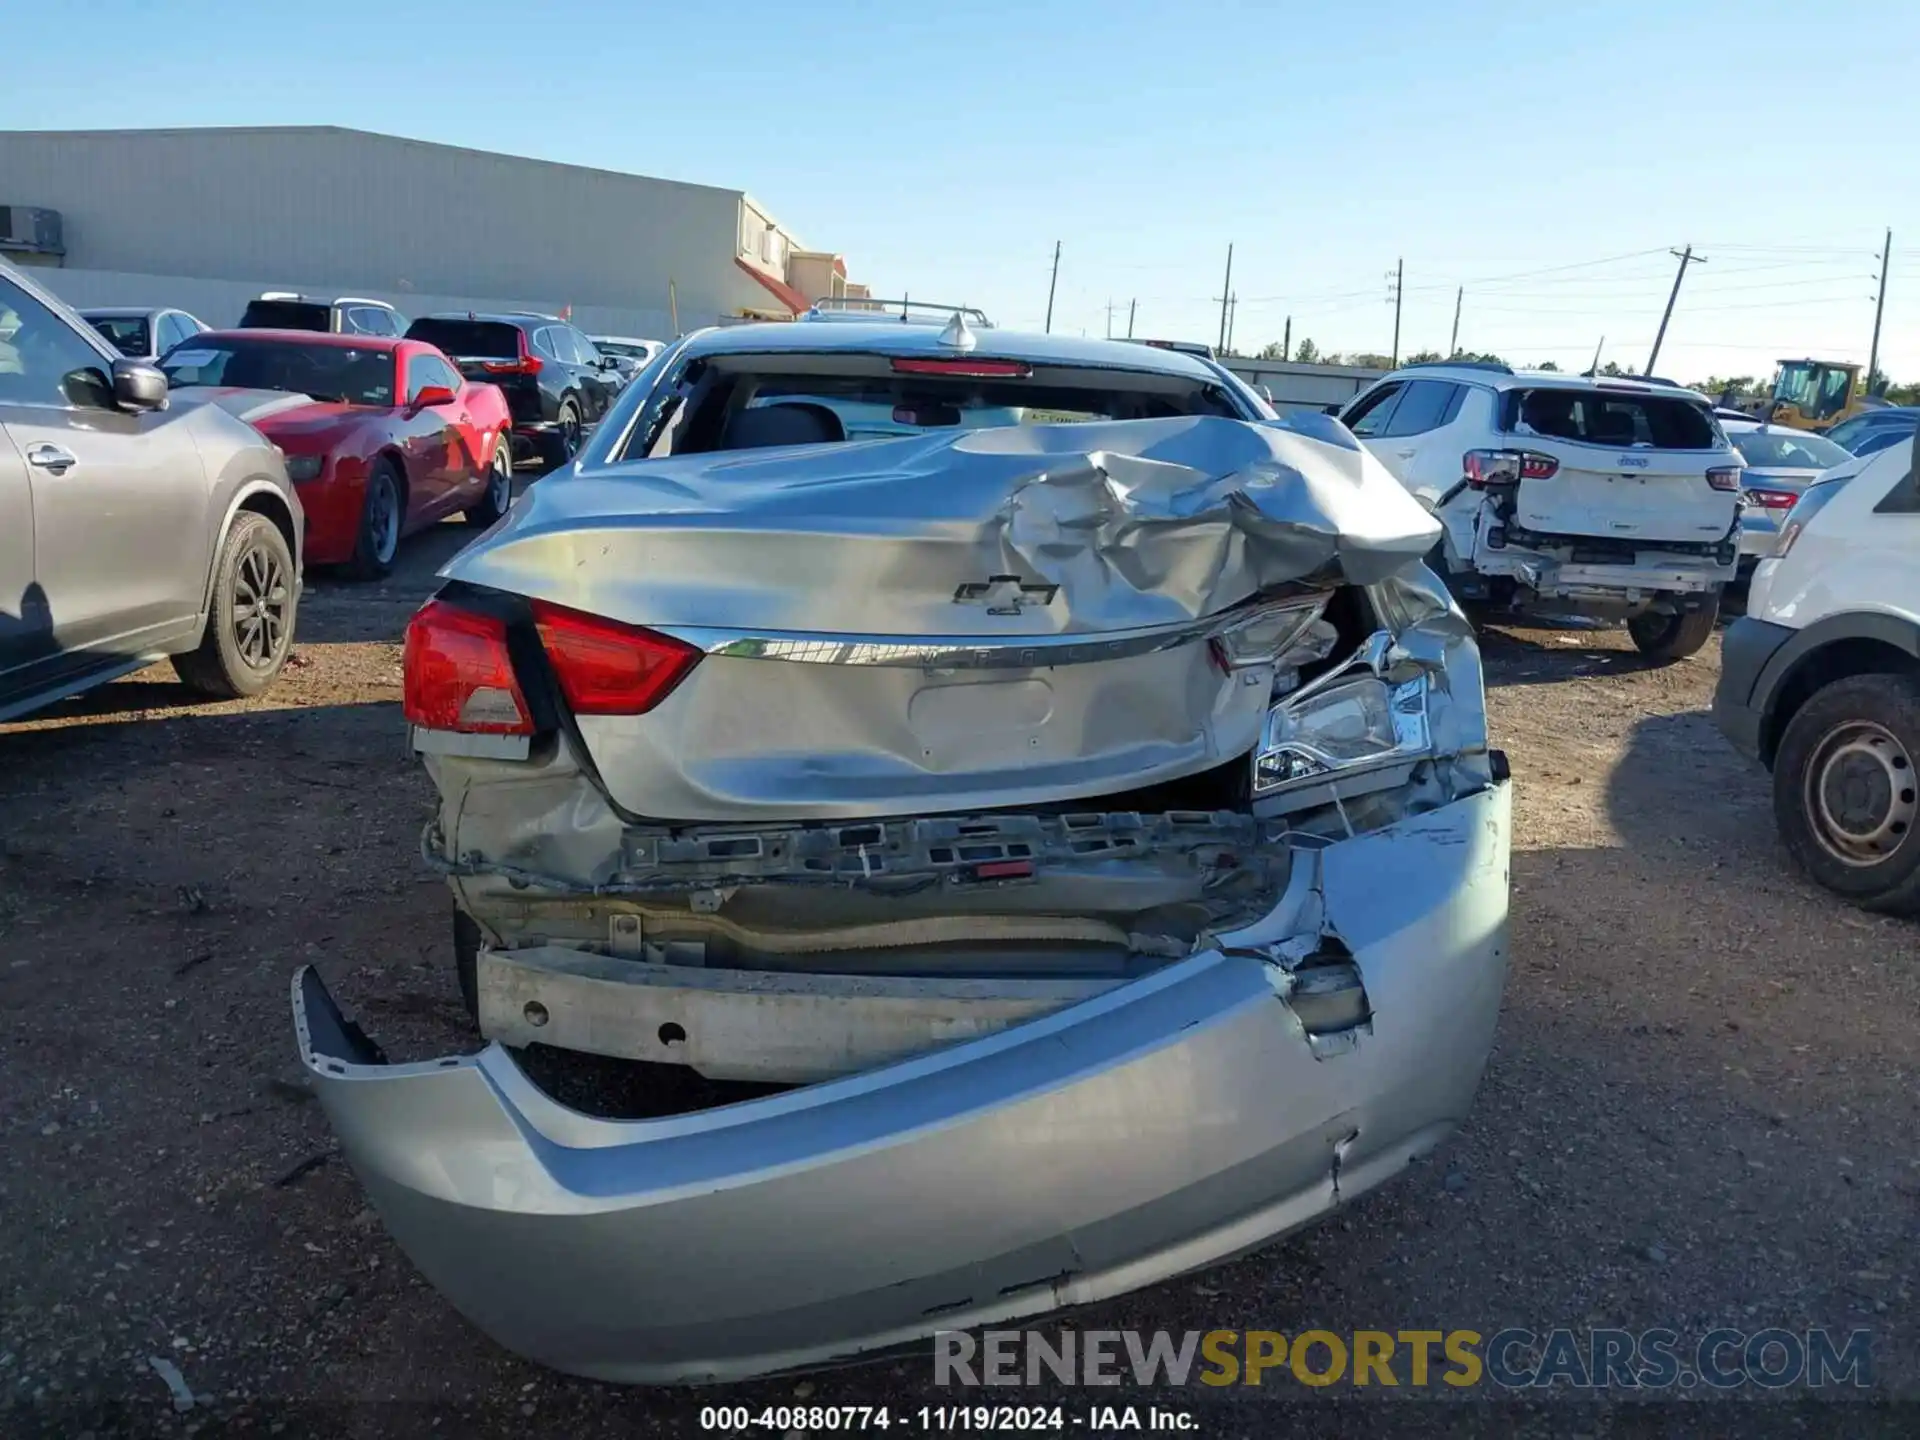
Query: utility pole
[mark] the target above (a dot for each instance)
(1399, 274)
(1233, 313)
(1109, 318)
(1687, 257)
(1132, 305)
(1286, 340)
(1594, 369)
(1453, 345)
(1879, 308)
(1225, 287)
(1051, 284)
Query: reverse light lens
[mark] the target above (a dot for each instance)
(1724, 477)
(1812, 501)
(606, 668)
(305, 467)
(458, 675)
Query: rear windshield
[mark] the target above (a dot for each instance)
(620, 347)
(343, 373)
(286, 315)
(1615, 418)
(481, 339)
(750, 401)
(1788, 450)
(126, 333)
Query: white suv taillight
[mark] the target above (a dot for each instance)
(1724, 477)
(1506, 467)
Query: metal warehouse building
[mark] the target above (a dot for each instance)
(205, 219)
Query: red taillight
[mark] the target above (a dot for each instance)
(458, 674)
(1772, 499)
(1724, 477)
(606, 668)
(1503, 467)
(526, 363)
(977, 369)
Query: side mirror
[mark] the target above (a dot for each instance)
(427, 396)
(138, 385)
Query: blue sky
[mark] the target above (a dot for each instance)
(1545, 155)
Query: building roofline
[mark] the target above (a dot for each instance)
(137, 132)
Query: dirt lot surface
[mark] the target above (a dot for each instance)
(1701, 1111)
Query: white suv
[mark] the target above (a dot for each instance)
(1821, 680)
(1559, 494)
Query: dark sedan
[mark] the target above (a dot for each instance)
(556, 383)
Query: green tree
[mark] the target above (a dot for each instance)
(1272, 351)
(1423, 357)
(1307, 353)
(1547, 365)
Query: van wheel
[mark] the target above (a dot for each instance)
(1666, 638)
(250, 624)
(1845, 792)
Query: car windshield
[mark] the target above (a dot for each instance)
(1625, 419)
(347, 374)
(732, 402)
(468, 339)
(126, 333)
(1787, 450)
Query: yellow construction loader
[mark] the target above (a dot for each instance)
(1815, 394)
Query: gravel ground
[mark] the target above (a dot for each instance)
(1700, 1110)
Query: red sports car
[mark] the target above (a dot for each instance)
(381, 435)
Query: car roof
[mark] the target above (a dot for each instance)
(308, 337)
(894, 338)
(115, 312)
(494, 317)
(1503, 377)
(624, 339)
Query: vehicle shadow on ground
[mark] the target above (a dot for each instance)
(1548, 657)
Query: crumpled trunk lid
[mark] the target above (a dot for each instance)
(971, 621)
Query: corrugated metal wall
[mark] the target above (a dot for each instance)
(341, 210)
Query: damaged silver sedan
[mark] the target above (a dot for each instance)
(1056, 781)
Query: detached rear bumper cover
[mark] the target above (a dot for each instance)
(1167, 1124)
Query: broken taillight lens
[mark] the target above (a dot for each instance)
(1503, 467)
(606, 668)
(1770, 499)
(458, 675)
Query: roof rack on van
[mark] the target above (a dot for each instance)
(907, 312)
(1499, 367)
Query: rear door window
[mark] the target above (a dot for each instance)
(1371, 414)
(286, 315)
(472, 339)
(1425, 405)
(1616, 418)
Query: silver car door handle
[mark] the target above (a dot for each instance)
(51, 458)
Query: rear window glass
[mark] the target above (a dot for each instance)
(343, 373)
(1613, 418)
(286, 315)
(1788, 450)
(126, 333)
(484, 339)
(741, 407)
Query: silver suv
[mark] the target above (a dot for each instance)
(1073, 802)
(133, 524)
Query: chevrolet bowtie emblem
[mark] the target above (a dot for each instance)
(1005, 594)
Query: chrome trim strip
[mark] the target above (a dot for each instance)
(979, 652)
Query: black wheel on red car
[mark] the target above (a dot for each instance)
(499, 493)
(250, 626)
(381, 515)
